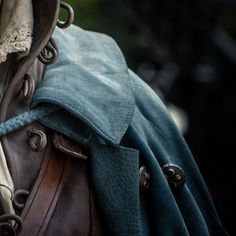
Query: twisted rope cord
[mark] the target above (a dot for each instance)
(25, 118)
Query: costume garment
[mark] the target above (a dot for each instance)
(129, 170)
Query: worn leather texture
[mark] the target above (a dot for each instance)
(59, 203)
(44, 195)
(75, 211)
(122, 123)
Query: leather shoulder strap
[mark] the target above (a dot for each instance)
(45, 193)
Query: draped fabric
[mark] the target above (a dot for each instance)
(6, 183)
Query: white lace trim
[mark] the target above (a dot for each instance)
(16, 41)
(6, 180)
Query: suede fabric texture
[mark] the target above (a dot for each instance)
(107, 108)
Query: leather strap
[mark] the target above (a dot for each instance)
(45, 193)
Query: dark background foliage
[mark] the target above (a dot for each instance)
(185, 50)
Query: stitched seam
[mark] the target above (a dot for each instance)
(60, 129)
(86, 119)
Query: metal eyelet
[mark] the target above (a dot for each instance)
(175, 176)
(70, 18)
(19, 193)
(7, 228)
(37, 140)
(28, 87)
(49, 54)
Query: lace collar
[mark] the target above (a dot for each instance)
(16, 27)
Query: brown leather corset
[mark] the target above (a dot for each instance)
(53, 193)
(50, 172)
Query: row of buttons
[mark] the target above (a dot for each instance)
(174, 174)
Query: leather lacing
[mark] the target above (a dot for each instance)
(11, 224)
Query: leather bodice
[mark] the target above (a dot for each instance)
(25, 149)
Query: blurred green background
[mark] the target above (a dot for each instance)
(115, 19)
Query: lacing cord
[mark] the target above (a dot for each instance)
(25, 118)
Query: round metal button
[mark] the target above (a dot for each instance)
(175, 175)
(144, 178)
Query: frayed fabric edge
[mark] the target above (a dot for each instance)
(16, 42)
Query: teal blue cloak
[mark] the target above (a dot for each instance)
(107, 108)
